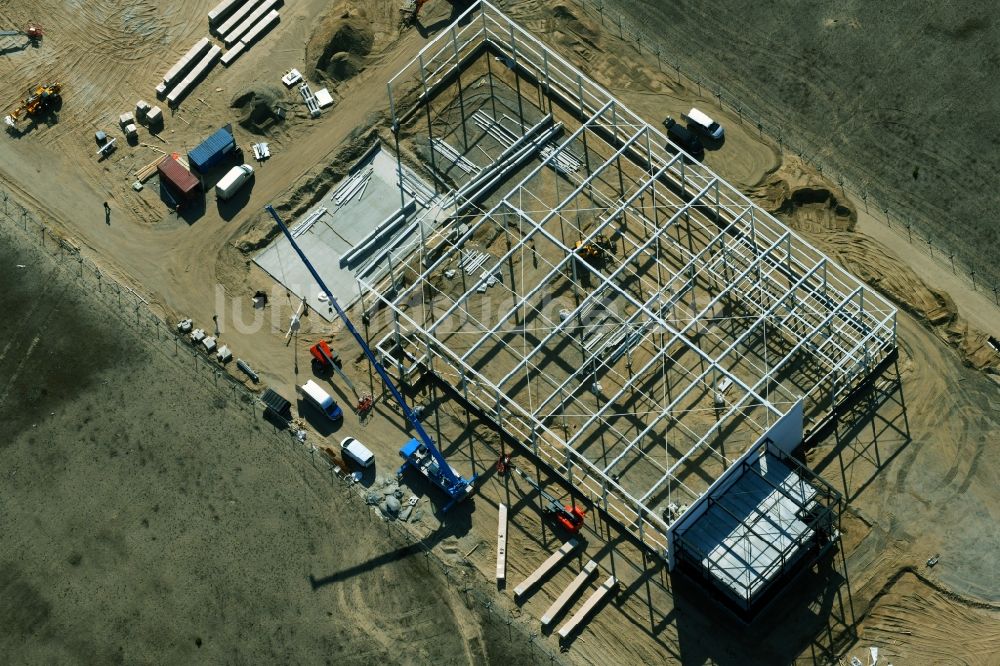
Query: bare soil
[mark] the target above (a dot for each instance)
(153, 517)
(896, 99)
(240, 522)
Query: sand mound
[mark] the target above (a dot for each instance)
(804, 199)
(806, 202)
(339, 43)
(258, 106)
(582, 25)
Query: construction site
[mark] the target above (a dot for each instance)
(504, 304)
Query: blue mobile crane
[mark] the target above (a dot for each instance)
(420, 454)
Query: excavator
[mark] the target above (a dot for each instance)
(32, 32)
(45, 97)
(597, 252)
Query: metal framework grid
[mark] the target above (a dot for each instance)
(642, 380)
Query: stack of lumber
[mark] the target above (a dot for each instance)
(240, 23)
(146, 172)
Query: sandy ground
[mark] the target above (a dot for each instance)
(889, 97)
(915, 465)
(915, 622)
(151, 517)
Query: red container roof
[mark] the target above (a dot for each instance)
(174, 173)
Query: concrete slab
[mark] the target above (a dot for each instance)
(335, 232)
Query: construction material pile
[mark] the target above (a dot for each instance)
(238, 24)
(340, 43)
(241, 23)
(260, 107)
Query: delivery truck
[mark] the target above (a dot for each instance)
(233, 181)
(321, 400)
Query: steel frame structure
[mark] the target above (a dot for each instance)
(640, 381)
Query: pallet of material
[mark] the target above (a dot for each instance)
(232, 54)
(182, 66)
(235, 35)
(236, 18)
(202, 68)
(502, 544)
(222, 10)
(260, 29)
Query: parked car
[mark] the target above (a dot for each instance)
(700, 121)
(233, 181)
(684, 138)
(356, 451)
(322, 400)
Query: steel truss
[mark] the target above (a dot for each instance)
(642, 380)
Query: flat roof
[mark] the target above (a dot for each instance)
(753, 529)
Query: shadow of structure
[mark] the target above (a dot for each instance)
(7, 50)
(364, 567)
(868, 433)
(456, 523)
(811, 614)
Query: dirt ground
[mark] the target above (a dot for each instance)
(915, 623)
(891, 97)
(913, 461)
(152, 517)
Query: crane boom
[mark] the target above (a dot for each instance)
(454, 485)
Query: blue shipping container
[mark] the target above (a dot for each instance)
(212, 150)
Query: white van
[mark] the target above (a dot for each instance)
(320, 399)
(233, 181)
(705, 124)
(356, 451)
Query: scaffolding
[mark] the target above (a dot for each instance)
(630, 317)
